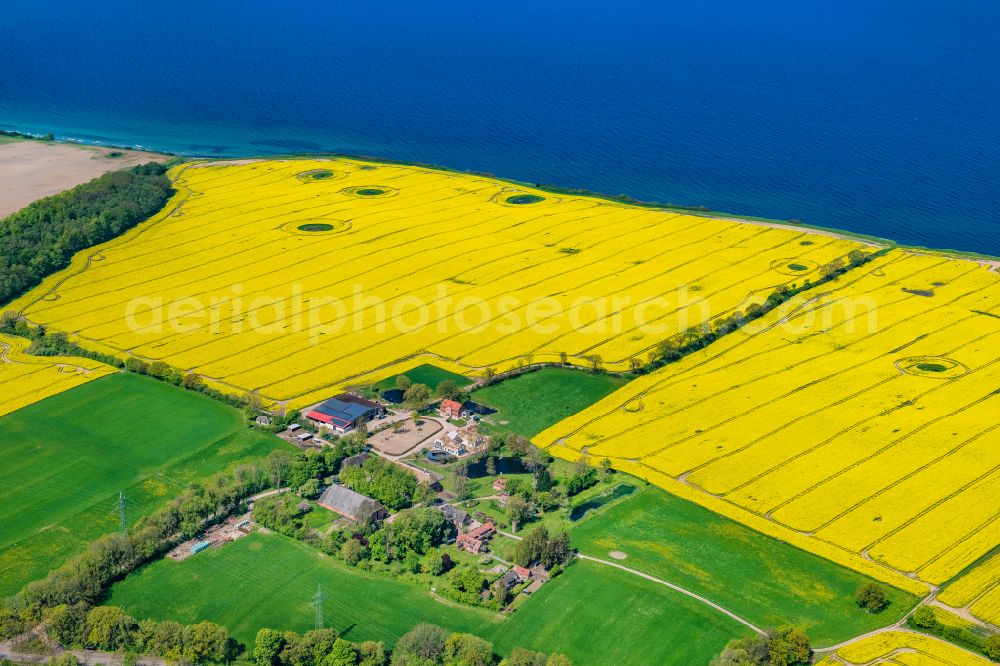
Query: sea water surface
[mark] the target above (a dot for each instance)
(878, 116)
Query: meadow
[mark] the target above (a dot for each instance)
(26, 379)
(530, 403)
(266, 580)
(427, 374)
(766, 581)
(296, 277)
(858, 422)
(64, 460)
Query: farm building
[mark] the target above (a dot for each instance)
(451, 443)
(352, 505)
(454, 515)
(475, 540)
(263, 420)
(423, 476)
(344, 412)
(452, 409)
(513, 578)
(355, 461)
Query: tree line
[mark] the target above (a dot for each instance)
(42, 238)
(424, 645)
(699, 337)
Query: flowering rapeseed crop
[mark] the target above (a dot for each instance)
(297, 277)
(861, 424)
(27, 379)
(897, 647)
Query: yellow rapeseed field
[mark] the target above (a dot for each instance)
(859, 422)
(415, 265)
(977, 591)
(899, 647)
(27, 379)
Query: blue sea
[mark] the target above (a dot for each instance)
(881, 117)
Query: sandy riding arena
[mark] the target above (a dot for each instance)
(396, 443)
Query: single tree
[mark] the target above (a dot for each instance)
(871, 597)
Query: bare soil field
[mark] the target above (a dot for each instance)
(30, 170)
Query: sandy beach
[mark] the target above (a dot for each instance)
(30, 170)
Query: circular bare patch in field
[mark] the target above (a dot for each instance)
(370, 191)
(319, 175)
(317, 227)
(939, 367)
(794, 266)
(518, 199)
(634, 406)
(617, 555)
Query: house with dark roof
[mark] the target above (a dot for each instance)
(355, 461)
(352, 505)
(454, 515)
(344, 412)
(513, 578)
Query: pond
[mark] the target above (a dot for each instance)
(619, 491)
(395, 396)
(477, 469)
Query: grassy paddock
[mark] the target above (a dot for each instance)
(267, 580)
(532, 402)
(64, 460)
(766, 581)
(427, 374)
(592, 613)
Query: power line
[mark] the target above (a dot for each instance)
(122, 516)
(318, 603)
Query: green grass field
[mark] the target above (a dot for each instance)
(267, 580)
(426, 374)
(766, 581)
(64, 460)
(598, 615)
(534, 401)
(594, 614)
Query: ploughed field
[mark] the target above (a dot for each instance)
(858, 422)
(64, 460)
(414, 265)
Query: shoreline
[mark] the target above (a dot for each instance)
(987, 260)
